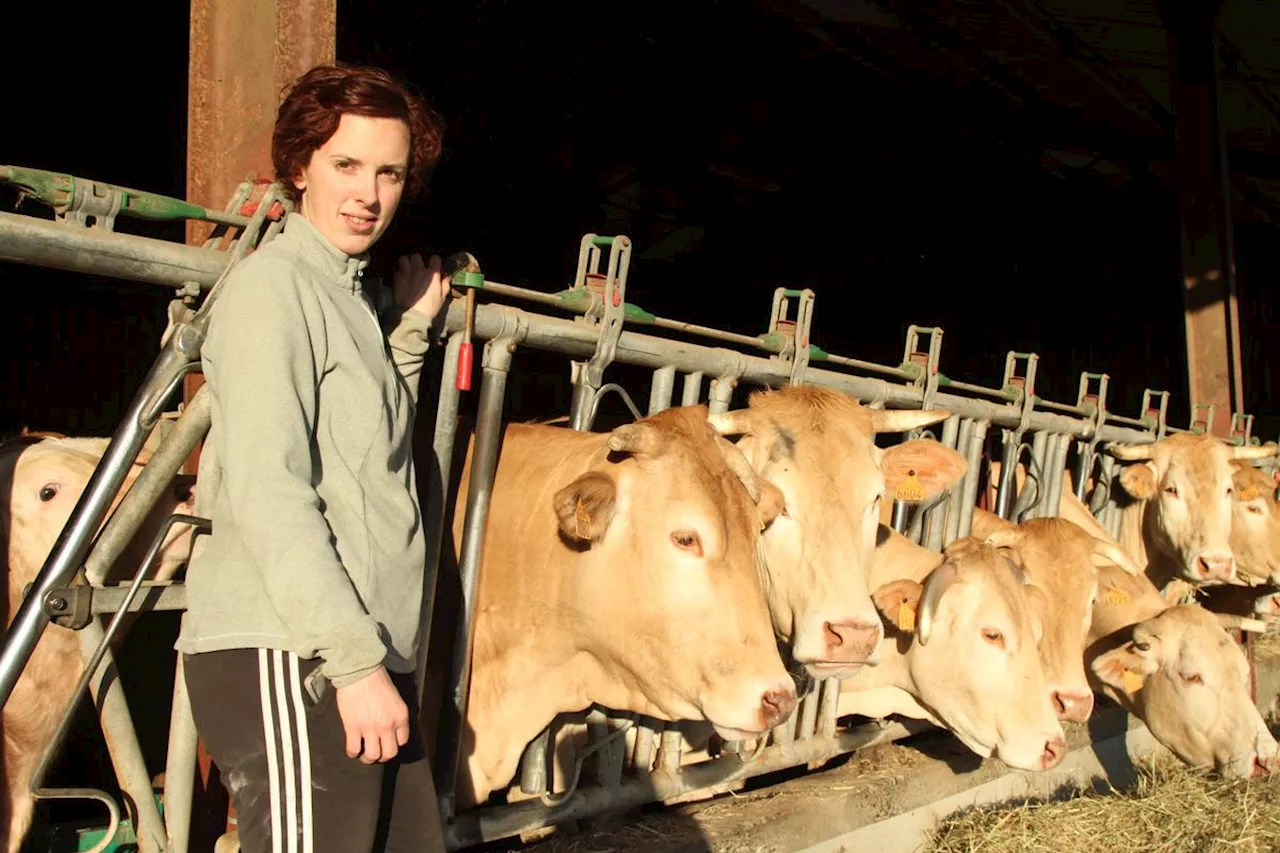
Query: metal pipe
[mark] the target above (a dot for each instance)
(584, 394)
(494, 822)
(1029, 503)
(940, 514)
(663, 387)
(809, 711)
(692, 390)
(576, 340)
(434, 510)
(609, 758)
(155, 480)
(721, 395)
(53, 245)
(497, 364)
(976, 444)
(180, 767)
(533, 764)
(642, 757)
(830, 705)
(73, 543)
(152, 598)
(669, 748)
(1084, 467)
(1052, 501)
(963, 441)
(1009, 444)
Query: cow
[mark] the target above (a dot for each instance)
(1179, 524)
(1255, 525)
(622, 569)
(818, 447)
(964, 656)
(1061, 560)
(43, 482)
(1175, 667)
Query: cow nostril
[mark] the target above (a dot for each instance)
(831, 635)
(776, 706)
(1059, 703)
(1054, 750)
(1211, 566)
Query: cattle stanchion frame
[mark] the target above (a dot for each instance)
(604, 330)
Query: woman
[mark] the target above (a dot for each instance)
(300, 637)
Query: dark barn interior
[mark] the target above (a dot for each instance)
(1008, 172)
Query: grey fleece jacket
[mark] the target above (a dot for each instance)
(307, 472)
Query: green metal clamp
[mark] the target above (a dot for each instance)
(788, 338)
(1156, 420)
(66, 194)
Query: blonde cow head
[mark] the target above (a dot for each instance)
(1186, 482)
(818, 446)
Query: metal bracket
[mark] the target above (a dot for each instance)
(921, 364)
(608, 309)
(791, 336)
(1198, 425)
(1242, 429)
(1094, 404)
(91, 200)
(1155, 419)
(1021, 389)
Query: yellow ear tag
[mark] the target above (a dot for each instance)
(910, 489)
(906, 618)
(582, 520)
(1132, 681)
(1116, 597)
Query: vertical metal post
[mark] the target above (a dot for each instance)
(608, 758)
(533, 764)
(721, 394)
(1009, 445)
(669, 748)
(809, 710)
(180, 767)
(642, 757)
(1057, 463)
(122, 739)
(830, 704)
(433, 504)
(692, 390)
(1085, 455)
(945, 509)
(484, 463)
(664, 383)
(963, 442)
(976, 444)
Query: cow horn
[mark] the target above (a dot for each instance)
(740, 467)
(935, 586)
(1112, 552)
(1231, 621)
(1130, 452)
(639, 439)
(1252, 452)
(901, 420)
(737, 422)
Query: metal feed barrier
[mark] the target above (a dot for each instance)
(1010, 424)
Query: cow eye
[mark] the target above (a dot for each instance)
(687, 540)
(993, 636)
(1171, 490)
(1192, 679)
(1254, 508)
(49, 492)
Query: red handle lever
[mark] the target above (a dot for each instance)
(464, 366)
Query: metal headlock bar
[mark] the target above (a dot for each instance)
(637, 759)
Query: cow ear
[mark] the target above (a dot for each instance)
(898, 602)
(920, 469)
(770, 504)
(1125, 669)
(584, 508)
(1139, 480)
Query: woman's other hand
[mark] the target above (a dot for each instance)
(420, 287)
(374, 717)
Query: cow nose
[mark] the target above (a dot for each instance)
(1215, 565)
(1072, 705)
(182, 488)
(776, 706)
(850, 641)
(1054, 751)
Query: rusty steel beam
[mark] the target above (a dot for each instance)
(1214, 370)
(242, 55)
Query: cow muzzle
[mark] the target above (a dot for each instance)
(1071, 704)
(1214, 564)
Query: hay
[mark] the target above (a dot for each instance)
(1170, 809)
(1267, 645)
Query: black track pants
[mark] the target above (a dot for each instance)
(283, 757)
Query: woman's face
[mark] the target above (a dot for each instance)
(352, 186)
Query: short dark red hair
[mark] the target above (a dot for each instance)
(315, 103)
